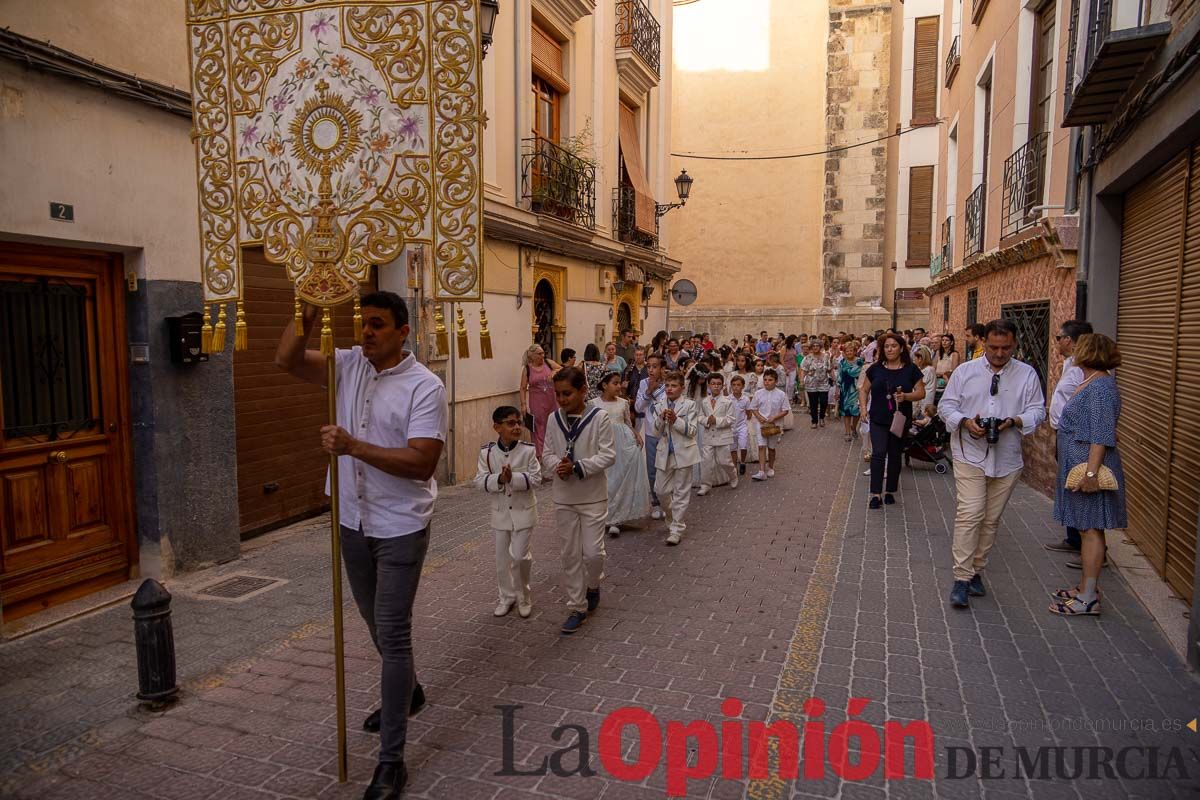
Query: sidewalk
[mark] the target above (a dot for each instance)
(781, 591)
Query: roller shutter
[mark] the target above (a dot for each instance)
(1160, 245)
(280, 467)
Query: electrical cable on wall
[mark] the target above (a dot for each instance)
(799, 155)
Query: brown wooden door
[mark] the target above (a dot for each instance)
(280, 466)
(66, 521)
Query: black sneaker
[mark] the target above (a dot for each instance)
(875, 503)
(593, 598)
(958, 595)
(975, 586)
(574, 622)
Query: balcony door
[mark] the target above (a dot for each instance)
(1042, 96)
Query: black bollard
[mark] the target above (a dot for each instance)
(155, 642)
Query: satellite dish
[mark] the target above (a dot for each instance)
(683, 292)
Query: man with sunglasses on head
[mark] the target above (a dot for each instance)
(1072, 376)
(999, 393)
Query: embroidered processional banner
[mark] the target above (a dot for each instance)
(333, 133)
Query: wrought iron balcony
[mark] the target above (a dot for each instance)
(1111, 59)
(624, 222)
(1024, 185)
(974, 217)
(638, 30)
(558, 183)
(953, 59)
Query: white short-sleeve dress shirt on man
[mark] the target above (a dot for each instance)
(968, 395)
(1072, 376)
(386, 408)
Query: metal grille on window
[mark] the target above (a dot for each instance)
(946, 308)
(44, 359)
(972, 307)
(1032, 321)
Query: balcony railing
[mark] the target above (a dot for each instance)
(1024, 185)
(953, 59)
(1111, 59)
(638, 30)
(624, 217)
(558, 183)
(973, 222)
(947, 244)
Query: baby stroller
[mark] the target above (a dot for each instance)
(929, 443)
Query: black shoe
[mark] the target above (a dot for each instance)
(975, 586)
(958, 595)
(574, 622)
(593, 598)
(387, 783)
(418, 700)
(875, 503)
(372, 722)
(741, 469)
(889, 500)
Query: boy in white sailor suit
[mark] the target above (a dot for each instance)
(676, 425)
(716, 418)
(509, 471)
(579, 447)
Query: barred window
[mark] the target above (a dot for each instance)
(972, 307)
(1032, 321)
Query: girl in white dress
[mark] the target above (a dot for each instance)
(628, 486)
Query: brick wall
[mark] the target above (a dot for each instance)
(1027, 282)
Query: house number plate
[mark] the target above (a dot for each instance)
(63, 212)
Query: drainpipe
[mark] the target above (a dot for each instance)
(453, 392)
(1084, 258)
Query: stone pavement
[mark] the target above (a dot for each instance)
(780, 592)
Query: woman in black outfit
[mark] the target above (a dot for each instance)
(893, 381)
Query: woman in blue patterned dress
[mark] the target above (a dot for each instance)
(849, 370)
(1087, 433)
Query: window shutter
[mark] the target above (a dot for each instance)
(548, 57)
(920, 215)
(925, 70)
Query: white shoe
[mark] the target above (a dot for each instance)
(867, 471)
(525, 608)
(704, 490)
(759, 476)
(733, 482)
(656, 513)
(673, 537)
(503, 607)
(770, 473)
(613, 530)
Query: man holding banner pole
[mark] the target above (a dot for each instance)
(391, 415)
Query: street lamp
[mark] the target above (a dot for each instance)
(683, 185)
(488, 11)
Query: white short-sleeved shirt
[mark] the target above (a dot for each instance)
(770, 402)
(386, 408)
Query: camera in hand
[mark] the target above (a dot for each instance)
(991, 428)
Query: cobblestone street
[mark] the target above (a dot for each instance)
(780, 592)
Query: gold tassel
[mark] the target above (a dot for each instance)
(439, 330)
(218, 337)
(206, 332)
(327, 332)
(241, 334)
(358, 321)
(464, 344)
(299, 318)
(485, 336)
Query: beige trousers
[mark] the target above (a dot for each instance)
(581, 533)
(513, 565)
(715, 464)
(981, 501)
(673, 485)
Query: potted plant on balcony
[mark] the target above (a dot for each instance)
(564, 175)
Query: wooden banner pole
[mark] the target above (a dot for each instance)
(335, 538)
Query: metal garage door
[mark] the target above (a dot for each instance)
(1158, 306)
(281, 470)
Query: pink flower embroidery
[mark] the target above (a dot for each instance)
(409, 129)
(280, 102)
(323, 25)
(250, 135)
(372, 96)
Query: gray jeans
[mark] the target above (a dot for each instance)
(651, 469)
(383, 576)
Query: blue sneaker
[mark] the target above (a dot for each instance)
(975, 586)
(958, 595)
(574, 622)
(593, 598)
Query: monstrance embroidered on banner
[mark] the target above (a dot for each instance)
(333, 134)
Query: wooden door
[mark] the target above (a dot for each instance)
(66, 521)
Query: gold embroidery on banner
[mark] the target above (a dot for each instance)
(395, 42)
(258, 47)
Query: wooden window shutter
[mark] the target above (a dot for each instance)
(920, 215)
(548, 58)
(925, 70)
